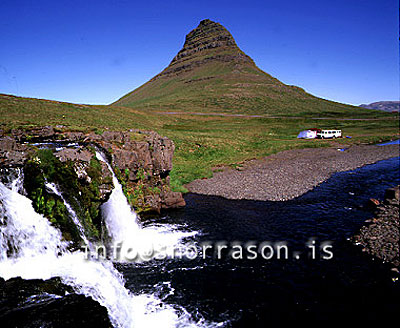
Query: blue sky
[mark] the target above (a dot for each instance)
(96, 51)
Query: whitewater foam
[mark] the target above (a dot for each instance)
(125, 229)
(33, 249)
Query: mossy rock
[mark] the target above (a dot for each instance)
(83, 197)
(48, 204)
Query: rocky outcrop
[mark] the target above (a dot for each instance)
(141, 160)
(209, 36)
(47, 303)
(381, 235)
(12, 152)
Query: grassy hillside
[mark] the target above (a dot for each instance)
(211, 74)
(203, 143)
(210, 89)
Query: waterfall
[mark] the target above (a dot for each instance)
(52, 187)
(33, 249)
(126, 231)
(23, 232)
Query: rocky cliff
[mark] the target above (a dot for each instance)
(141, 160)
(209, 42)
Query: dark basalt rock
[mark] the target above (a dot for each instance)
(12, 152)
(392, 196)
(36, 133)
(142, 161)
(373, 204)
(172, 200)
(208, 35)
(380, 237)
(47, 303)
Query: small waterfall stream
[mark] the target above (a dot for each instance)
(33, 249)
(127, 232)
(52, 187)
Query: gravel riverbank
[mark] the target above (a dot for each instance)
(380, 236)
(289, 174)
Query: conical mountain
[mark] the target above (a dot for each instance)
(212, 74)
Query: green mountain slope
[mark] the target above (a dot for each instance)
(211, 74)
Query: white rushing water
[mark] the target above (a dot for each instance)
(52, 187)
(125, 230)
(33, 249)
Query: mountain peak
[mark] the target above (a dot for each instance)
(209, 41)
(208, 34)
(207, 21)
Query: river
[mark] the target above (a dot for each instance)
(320, 277)
(250, 293)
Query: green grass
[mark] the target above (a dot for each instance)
(203, 143)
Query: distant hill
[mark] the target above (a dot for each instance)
(387, 106)
(212, 74)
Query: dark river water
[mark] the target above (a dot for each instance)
(350, 287)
